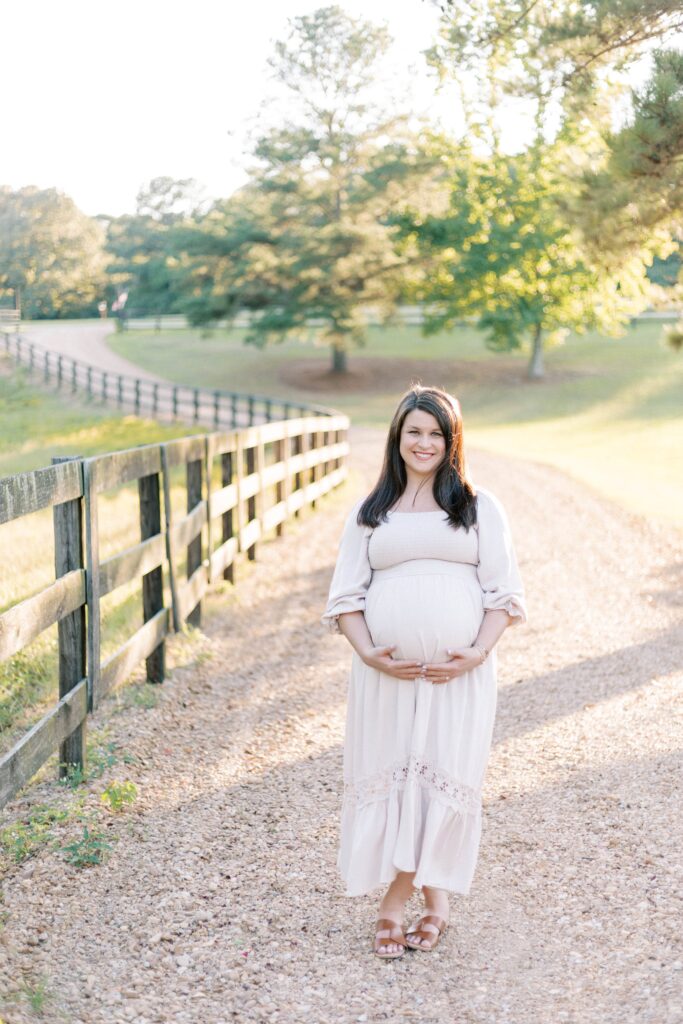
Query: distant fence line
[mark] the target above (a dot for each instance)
(407, 316)
(166, 402)
(267, 474)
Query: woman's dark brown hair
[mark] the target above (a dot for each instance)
(453, 490)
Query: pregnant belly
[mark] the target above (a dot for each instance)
(424, 614)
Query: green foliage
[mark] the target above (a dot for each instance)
(23, 839)
(506, 253)
(88, 851)
(51, 254)
(76, 775)
(144, 262)
(308, 244)
(118, 794)
(36, 995)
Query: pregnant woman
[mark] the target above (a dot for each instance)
(425, 583)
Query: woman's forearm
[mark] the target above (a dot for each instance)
(493, 625)
(355, 629)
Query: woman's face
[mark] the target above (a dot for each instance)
(422, 444)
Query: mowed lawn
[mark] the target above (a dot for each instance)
(609, 413)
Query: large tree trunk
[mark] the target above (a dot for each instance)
(339, 363)
(536, 371)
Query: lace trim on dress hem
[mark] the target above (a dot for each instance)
(378, 786)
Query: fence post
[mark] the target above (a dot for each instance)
(251, 502)
(298, 477)
(305, 440)
(195, 405)
(260, 496)
(170, 547)
(104, 386)
(315, 470)
(71, 630)
(74, 378)
(282, 486)
(152, 582)
(47, 366)
(175, 401)
(233, 410)
(88, 384)
(155, 399)
(239, 459)
(137, 396)
(92, 580)
(31, 357)
(119, 391)
(216, 409)
(194, 548)
(250, 404)
(208, 466)
(227, 518)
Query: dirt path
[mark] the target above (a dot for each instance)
(221, 902)
(85, 341)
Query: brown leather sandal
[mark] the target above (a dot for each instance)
(386, 924)
(419, 930)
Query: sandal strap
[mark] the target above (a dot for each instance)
(433, 919)
(386, 924)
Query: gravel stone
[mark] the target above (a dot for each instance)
(220, 900)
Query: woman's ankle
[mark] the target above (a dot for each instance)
(436, 901)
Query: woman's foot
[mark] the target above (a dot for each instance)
(387, 928)
(392, 908)
(436, 904)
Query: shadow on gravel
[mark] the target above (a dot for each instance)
(533, 702)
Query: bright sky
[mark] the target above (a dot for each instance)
(99, 97)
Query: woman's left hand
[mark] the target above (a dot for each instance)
(462, 660)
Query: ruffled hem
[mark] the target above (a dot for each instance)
(410, 829)
(513, 606)
(330, 618)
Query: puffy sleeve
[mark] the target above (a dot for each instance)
(352, 572)
(497, 569)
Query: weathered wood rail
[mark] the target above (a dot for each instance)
(267, 474)
(163, 401)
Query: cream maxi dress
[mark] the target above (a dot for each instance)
(415, 752)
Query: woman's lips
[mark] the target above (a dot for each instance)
(423, 456)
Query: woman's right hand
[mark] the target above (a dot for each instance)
(381, 659)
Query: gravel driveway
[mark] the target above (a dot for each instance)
(87, 342)
(220, 901)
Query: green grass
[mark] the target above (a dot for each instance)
(34, 426)
(609, 413)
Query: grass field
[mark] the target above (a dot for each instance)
(609, 413)
(34, 426)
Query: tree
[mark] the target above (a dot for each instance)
(572, 42)
(144, 262)
(506, 255)
(308, 245)
(525, 246)
(51, 254)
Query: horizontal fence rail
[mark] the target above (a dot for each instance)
(267, 473)
(163, 401)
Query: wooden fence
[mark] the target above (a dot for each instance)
(163, 401)
(267, 473)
